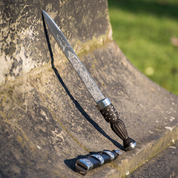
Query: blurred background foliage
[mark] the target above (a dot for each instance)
(147, 33)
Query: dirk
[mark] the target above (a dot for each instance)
(103, 104)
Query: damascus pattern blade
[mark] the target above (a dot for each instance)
(73, 58)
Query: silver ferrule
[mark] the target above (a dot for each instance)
(83, 165)
(103, 103)
(99, 158)
(109, 153)
(118, 152)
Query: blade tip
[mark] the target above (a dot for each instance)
(43, 12)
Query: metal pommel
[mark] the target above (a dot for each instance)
(129, 144)
(103, 103)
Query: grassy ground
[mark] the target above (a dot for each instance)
(147, 33)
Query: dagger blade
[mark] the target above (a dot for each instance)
(74, 59)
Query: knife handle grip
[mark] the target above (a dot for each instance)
(117, 125)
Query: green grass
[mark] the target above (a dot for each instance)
(143, 30)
